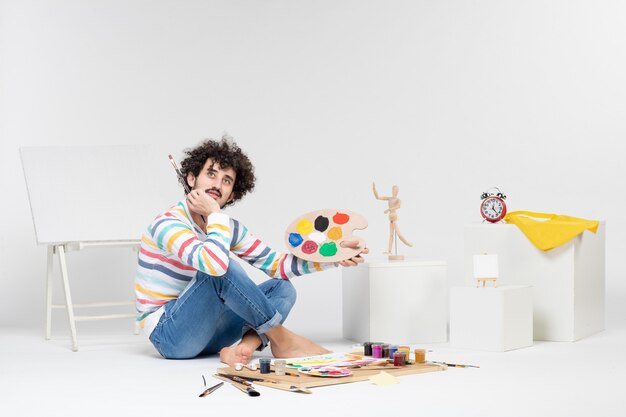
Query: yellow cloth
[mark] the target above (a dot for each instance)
(552, 230)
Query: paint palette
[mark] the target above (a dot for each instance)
(317, 236)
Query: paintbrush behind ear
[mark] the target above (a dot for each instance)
(179, 174)
(182, 179)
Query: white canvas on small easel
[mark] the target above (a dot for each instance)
(486, 269)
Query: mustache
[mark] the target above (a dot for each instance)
(215, 190)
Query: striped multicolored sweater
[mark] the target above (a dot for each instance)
(174, 248)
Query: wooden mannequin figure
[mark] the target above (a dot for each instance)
(394, 232)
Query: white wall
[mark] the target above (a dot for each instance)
(444, 98)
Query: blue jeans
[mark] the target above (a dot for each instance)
(214, 312)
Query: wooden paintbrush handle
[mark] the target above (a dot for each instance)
(241, 387)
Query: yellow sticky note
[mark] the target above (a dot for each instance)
(383, 378)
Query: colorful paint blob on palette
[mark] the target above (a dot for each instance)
(320, 224)
(318, 235)
(326, 371)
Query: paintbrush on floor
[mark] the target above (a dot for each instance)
(286, 386)
(243, 387)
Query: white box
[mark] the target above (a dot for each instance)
(496, 319)
(568, 281)
(397, 302)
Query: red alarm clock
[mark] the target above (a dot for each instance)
(493, 207)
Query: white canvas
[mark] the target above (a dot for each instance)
(485, 266)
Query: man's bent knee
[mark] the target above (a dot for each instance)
(283, 296)
(280, 288)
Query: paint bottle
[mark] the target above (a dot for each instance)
(398, 358)
(385, 350)
(377, 351)
(392, 349)
(420, 355)
(265, 365)
(280, 367)
(406, 351)
(367, 348)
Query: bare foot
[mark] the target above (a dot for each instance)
(232, 355)
(287, 344)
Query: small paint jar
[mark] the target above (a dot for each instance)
(377, 351)
(406, 351)
(367, 348)
(280, 367)
(265, 365)
(398, 358)
(392, 349)
(420, 355)
(385, 351)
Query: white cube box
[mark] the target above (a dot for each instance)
(568, 281)
(397, 302)
(495, 319)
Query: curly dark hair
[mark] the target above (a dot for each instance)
(226, 154)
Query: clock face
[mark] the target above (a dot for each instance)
(493, 209)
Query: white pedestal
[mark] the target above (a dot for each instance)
(496, 319)
(568, 281)
(397, 302)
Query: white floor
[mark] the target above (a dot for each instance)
(120, 373)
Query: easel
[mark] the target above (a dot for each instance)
(61, 250)
(484, 280)
(486, 269)
(94, 197)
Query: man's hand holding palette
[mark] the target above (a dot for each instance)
(318, 236)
